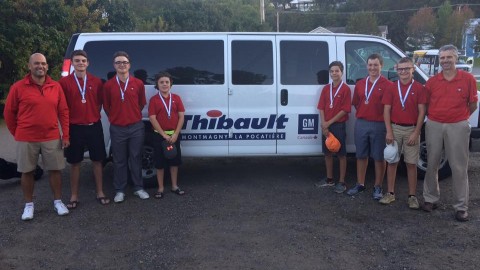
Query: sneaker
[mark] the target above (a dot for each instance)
(325, 182)
(142, 194)
(340, 187)
(27, 213)
(387, 198)
(61, 209)
(119, 197)
(413, 203)
(356, 189)
(377, 193)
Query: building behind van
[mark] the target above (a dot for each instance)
(245, 94)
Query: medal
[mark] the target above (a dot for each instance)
(369, 93)
(82, 90)
(403, 99)
(122, 92)
(169, 108)
(332, 96)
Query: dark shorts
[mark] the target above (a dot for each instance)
(159, 158)
(339, 130)
(88, 137)
(370, 139)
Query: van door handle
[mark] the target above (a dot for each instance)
(284, 97)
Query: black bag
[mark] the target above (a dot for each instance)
(9, 170)
(169, 150)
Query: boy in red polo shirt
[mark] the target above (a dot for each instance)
(334, 106)
(123, 101)
(166, 113)
(404, 113)
(84, 96)
(370, 127)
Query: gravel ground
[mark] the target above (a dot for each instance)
(259, 213)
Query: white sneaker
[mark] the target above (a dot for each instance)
(119, 197)
(27, 213)
(142, 194)
(61, 209)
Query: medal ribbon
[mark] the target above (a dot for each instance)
(336, 92)
(122, 91)
(84, 89)
(169, 108)
(403, 99)
(369, 93)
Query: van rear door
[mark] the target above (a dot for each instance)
(302, 73)
(252, 103)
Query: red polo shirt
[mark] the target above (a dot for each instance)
(157, 108)
(129, 111)
(88, 112)
(448, 101)
(373, 111)
(341, 102)
(32, 112)
(417, 95)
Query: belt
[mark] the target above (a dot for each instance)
(404, 125)
(88, 124)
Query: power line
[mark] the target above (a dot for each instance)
(373, 12)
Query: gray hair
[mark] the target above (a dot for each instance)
(449, 47)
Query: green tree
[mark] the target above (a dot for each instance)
(443, 14)
(363, 23)
(120, 17)
(421, 27)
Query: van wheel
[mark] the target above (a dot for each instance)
(149, 173)
(444, 170)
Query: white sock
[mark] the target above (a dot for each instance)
(56, 201)
(29, 204)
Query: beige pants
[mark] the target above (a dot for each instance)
(454, 137)
(51, 151)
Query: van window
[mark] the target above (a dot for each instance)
(252, 62)
(188, 61)
(304, 62)
(357, 53)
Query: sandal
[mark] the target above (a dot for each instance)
(72, 205)
(178, 191)
(103, 200)
(158, 195)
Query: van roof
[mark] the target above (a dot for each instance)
(224, 33)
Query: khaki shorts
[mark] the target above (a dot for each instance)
(410, 152)
(51, 151)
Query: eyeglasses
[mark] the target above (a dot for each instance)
(122, 63)
(404, 69)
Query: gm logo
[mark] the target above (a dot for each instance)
(307, 123)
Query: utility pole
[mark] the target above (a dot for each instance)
(262, 11)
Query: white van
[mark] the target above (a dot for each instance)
(245, 94)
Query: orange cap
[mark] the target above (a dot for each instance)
(332, 143)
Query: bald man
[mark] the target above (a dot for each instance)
(34, 108)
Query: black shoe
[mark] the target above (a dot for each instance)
(429, 207)
(461, 216)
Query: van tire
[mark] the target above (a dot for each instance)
(444, 170)
(149, 173)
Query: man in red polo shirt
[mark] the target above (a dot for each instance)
(84, 96)
(451, 98)
(404, 113)
(124, 99)
(370, 128)
(35, 105)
